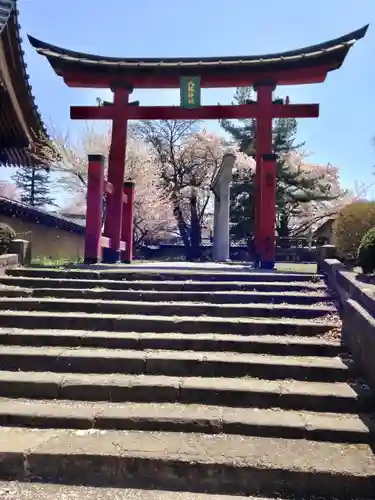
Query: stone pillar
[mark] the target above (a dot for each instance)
(23, 249)
(221, 189)
(325, 252)
(216, 227)
(222, 241)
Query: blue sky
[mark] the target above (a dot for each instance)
(152, 28)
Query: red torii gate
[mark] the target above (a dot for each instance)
(305, 66)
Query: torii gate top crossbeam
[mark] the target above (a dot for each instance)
(307, 65)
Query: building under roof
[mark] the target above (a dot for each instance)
(21, 126)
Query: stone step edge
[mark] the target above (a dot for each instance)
(17, 490)
(188, 418)
(124, 271)
(146, 336)
(227, 464)
(141, 357)
(179, 304)
(126, 285)
(162, 324)
(227, 297)
(218, 293)
(176, 319)
(162, 388)
(174, 363)
(262, 344)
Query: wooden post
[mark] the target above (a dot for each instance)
(94, 209)
(116, 174)
(268, 209)
(128, 222)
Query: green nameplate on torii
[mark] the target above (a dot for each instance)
(190, 91)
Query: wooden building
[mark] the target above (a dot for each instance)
(21, 126)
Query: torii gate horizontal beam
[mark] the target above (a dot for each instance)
(201, 113)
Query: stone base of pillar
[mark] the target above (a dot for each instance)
(267, 264)
(257, 261)
(89, 261)
(111, 256)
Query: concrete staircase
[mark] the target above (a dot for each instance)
(178, 384)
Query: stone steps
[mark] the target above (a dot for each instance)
(174, 363)
(14, 490)
(196, 384)
(165, 285)
(194, 462)
(233, 297)
(165, 324)
(240, 392)
(256, 344)
(172, 417)
(182, 309)
(160, 274)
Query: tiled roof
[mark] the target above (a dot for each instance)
(17, 137)
(26, 213)
(57, 54)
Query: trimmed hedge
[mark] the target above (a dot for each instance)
(366, 252)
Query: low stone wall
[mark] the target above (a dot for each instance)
(19, 255)
(8, 260)
(357, 309)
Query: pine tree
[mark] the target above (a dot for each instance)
(292, 187)
(35, 185)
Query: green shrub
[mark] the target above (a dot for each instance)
(7, 234)
(366, 252)
(349, 228)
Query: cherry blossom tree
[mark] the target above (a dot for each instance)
(188, 159)
(68, 158)
(317, 195)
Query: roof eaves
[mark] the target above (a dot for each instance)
(52, 51)
(39, 121)
(32, 214)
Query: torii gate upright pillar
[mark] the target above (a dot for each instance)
(116, 175)
(264, 198)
